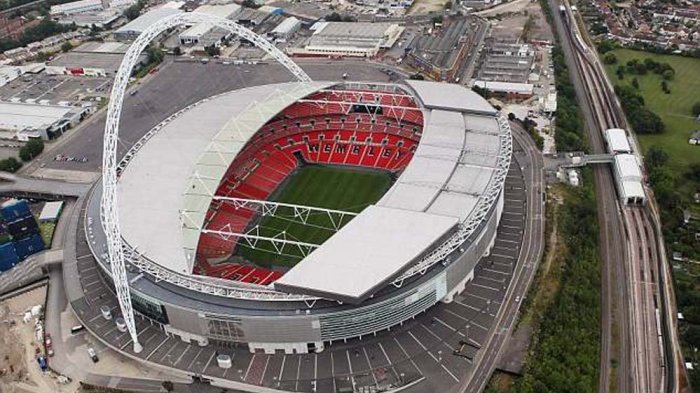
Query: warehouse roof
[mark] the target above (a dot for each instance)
(50, 211)
(140, 24)
(19, 116)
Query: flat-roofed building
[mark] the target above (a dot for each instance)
(132, 29)
(507, 62)
(23, 121)
(440, 53)
(206, 34)
(77, 7)
(351, 39)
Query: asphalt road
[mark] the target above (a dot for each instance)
(526, 267)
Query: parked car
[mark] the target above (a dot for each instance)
(48, 344)
(93, 355)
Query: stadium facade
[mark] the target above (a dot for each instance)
(193, 189)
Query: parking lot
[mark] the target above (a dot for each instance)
(55, 89)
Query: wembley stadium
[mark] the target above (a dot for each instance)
(289, 216)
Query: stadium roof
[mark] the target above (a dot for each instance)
(450, 96)
(374, 247)
(167, 188)
(171, 179)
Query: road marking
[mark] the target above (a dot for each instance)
(407, 357)
(433, 356)
(371, 368)
(206, 365)
(485, 287)
(471, 321)
(352, 379)
(448, 326)
(296, 383)
(189, 366)
(389, 362)
(315, 366)
(438, 337)
(496, 271)
(245, 376)
(168, 352)
(284, 358)
(157, 348)
(262, 376)
(335, 388)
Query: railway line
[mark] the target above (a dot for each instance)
(644, 313)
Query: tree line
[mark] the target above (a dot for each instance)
(565, 351)
(569, 134)
(46, 28)
(643, 120)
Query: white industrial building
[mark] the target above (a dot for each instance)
(77, 7)
(508, 88)
(355, 39)
(22, 121)
(207, 34)
(286, 29)
(617, 141)
(628, 180)
(132, 29)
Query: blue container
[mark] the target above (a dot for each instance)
(8, 256)
(28, 246)
(15, 209)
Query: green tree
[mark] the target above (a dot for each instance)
(609, 58)
(668, 74)
(656, 157)
(635, 83)
(511, 116)
(212, 50)
(31, 149)
(696, 109)
(177, 51)
(66, 47)
(10, 164)
(168, 386)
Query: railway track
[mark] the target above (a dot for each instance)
(644, 312)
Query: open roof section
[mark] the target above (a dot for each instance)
(167, 187)
(441, 189)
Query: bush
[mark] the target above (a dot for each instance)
(32, 149)
(66, 47)
(609, 58)
(11, 165)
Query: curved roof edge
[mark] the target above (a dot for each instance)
(221, 151)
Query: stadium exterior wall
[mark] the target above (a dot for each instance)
(309, 328)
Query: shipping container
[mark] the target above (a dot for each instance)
(29, 245)
(15, 209)
(8, 256)
(22, 228)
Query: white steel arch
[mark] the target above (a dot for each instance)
(110, 216)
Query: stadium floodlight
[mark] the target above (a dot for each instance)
(110, 162)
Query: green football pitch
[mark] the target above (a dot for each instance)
(335, 188)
